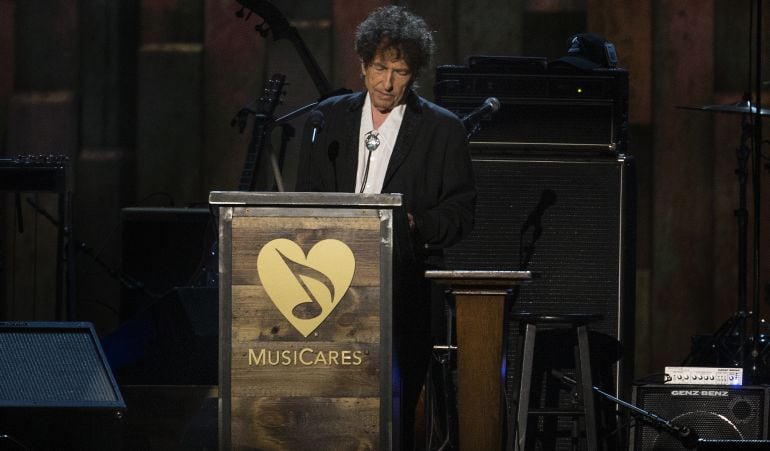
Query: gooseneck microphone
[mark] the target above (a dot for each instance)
(317, 121)
(489, 106)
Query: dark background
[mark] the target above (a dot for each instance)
(139, 94)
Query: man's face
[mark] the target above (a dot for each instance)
(387, 78)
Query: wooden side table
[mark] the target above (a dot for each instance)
(480, 298)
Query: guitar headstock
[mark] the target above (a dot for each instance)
(271, 98)
(273, 20)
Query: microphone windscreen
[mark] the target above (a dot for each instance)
(316, 119)
(493, 103)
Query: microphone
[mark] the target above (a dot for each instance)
(317, 121)
(489, 106)
(547, 198)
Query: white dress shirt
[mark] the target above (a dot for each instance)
(379, 158)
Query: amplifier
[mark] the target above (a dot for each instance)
(703, 375)
(713, 412)
(547, 109)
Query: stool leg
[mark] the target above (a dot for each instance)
(585, 382)
(522, 409)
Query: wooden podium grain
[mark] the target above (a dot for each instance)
(282, 389)
(480, 298)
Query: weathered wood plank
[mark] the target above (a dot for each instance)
(355, 319)
(305, 370)
(288, 423)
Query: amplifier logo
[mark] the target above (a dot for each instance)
(306, 289)
(711, 393)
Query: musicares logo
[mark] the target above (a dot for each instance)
(306, 289)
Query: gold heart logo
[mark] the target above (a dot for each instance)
(306, 289)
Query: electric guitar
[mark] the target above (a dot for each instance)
(262, 112)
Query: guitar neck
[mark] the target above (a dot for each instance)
(311, 65)
(248, 175)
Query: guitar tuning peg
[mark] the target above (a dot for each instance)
(239, 14)
(262, 29)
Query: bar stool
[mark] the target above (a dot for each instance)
(584, 389)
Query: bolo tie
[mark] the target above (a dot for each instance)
(372, 142)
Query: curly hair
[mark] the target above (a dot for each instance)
(393, 27)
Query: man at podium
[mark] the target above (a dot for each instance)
(388, 139)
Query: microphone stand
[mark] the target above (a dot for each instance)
(304, 109)
(125, 279)
(757, 166)
(686, 436)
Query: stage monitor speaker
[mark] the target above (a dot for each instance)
(163, 248)
(713, 412)
(570, 220)
(56, 389)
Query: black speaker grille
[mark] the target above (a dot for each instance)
(51, 366)
(578, 253)
(713, 412)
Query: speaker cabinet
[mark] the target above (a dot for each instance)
(56, 390)
(570, 220)
(164, 248)
(735, 414)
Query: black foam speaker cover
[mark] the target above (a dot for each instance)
(56, 389)
(725, 413)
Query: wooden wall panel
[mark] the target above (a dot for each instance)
(46, 45)
(628, 25)
(169, 126)
(107, 73)
(104, 168)
(7, 58)
(489, 27)
(234, 73)
(171, 20)
(683, 169)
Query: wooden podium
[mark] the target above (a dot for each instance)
(305, 320)
(480, 298)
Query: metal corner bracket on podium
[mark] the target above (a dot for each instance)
(305, 342)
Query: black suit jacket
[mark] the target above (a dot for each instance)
(430, 166)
